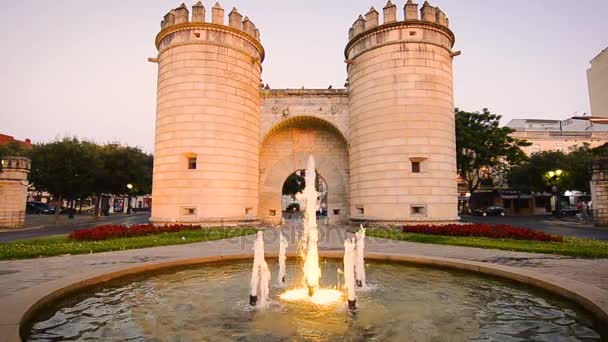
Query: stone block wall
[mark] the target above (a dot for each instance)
(599, 192)
(13, 191)
(208, 109)
(402, 113)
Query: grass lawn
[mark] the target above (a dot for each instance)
(60, 244)
(571, 246)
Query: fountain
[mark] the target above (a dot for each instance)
(360, 257)
(260, 275)
(412, 303)
(349, 273)
(282, 258)
(308, 246)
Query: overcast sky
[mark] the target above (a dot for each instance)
(79, 67)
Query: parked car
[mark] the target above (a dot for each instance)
(35, 207)
(568, 210)
(494, 210)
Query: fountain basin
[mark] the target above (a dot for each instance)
(214, 298)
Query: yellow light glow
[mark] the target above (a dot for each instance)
(551, 174)
(321, 297)
(558, 173)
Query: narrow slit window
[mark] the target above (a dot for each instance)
(360, 211)
(192, 163)
(418, 210)
(416, 167)
(336, 211)
(188, 211)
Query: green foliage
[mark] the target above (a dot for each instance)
(13, 149)
(482, 143)
(571, 246)
(293, 184)
(61, 245)
(66, 168)
(125, 165)
(532, 175)
(70, 168)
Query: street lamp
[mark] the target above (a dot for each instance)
(553, 176)
(130, 187)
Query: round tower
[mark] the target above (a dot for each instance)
(13, 191)
(402, 129)
(208, 118)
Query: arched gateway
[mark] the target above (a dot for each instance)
(385, 145)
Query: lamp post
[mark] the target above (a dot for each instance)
(130, 187)
(553, 177)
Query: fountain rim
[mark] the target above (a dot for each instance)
(590, 298)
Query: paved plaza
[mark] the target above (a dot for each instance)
(23, 282)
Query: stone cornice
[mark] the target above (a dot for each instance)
(210, 27)
(399, 25)
(273, 93)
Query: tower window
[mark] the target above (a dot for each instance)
(417, 164)
(418, 210)
(416, 167)
(336, 211)
(188, 211)
(360, 211)
(272, 213)
(192, 163)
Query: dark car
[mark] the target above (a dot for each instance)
(494, 210)
(34, 207)
(568, 210)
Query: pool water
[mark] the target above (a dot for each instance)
(402, 303)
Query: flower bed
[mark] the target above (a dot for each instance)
(495, 231)
(113, 231)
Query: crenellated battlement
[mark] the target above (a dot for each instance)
(411, 14)
(182, 15)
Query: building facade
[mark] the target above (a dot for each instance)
(385, 145)
(559, 135)
(544, 135)
(597, 80)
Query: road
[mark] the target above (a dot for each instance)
(43, 225)
(547, 224)
(567, 226)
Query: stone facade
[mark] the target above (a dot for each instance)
(402, 112)
(599, 191)
(385, 145)
(559, 135)
(13, 191)
(208, 110)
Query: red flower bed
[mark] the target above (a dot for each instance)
(113, 231)
(495, 231)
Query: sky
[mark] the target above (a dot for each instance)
(80, 67)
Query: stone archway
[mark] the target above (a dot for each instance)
(286, 149)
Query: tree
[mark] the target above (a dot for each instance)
(123, 165)
(532, 175)
(66, 168)
(576, 166)
(13, 149)
(293, 184)
(482, 143)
